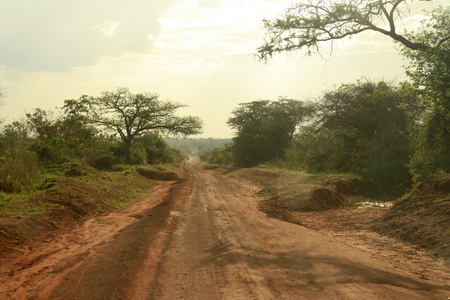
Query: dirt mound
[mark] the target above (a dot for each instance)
(344, 185)
(435, 184)
(317, 199)
(210, 167)
(299, 192)
(63, 210)
(421, 217)
(64, 202)
(324, 199)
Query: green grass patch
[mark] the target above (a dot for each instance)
(19, 204)
(78, 189)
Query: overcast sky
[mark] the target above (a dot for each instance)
(196, 52)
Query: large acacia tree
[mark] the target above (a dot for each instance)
(310, 23)
(132, 115)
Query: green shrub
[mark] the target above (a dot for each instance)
(19, 171)
(221, 156)
(138, 156)
(51, 151)
(103, 163)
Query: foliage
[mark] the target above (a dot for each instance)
(51, 151)
(132, 115)
(14, 136)
(19, 171)
(103, 163)
(138, 156)
(58, 138)
(157, 151)
(312, 23)
(308, 24)
(264, 129)
(362, 128)
(430, 73)
(61, 144)
(220, 156)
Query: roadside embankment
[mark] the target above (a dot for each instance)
(302, 192)
(335, 203)
(421, 217)
(69, 195)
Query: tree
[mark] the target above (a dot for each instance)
(310, 23)
(429, 71)
(132, 115)
(364, 128)
(58, 137)
(264, 129)
(44, 124)
(219, 156)
(156, 150)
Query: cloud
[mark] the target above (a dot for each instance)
(108, 28)
(51, 35)
(213, 28)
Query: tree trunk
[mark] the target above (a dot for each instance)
(128, 151)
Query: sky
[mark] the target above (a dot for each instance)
(195, 52)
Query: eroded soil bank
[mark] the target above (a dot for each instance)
(335, 203)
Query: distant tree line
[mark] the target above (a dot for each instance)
(196, 146)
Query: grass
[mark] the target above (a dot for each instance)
(19, 204)
(444, 200)
(84, 189)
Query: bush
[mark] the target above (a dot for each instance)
(158, 151)
(221, 156)
(19, 171)
(204, 156)
(52, 151)
(138, 156)
(364, 129)
(103, 163)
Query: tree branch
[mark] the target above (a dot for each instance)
(309, 23)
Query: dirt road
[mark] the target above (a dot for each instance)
(206, 239)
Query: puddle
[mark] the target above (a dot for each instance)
(368, 204)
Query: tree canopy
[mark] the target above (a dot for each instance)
(264, 129)
(310, 23)
(429, 71)
(362, 128)
(132, 115)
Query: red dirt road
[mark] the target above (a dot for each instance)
(206, 239)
